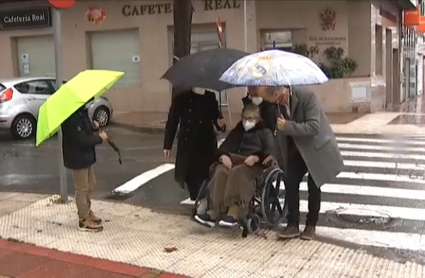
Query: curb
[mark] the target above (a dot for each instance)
(144, 129)
(105, 265)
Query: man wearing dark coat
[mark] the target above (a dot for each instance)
(268, 111)
(307, 144)
(196, 111)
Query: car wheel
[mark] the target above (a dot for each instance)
(102, 116)
(23, 127)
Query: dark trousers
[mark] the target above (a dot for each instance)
(296, 171)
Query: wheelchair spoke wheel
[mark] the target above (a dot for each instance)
(273, 207)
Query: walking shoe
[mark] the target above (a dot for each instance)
(228, 221)
(309, 233)
(89, 226)
(202, 206)
(291, 231)
(205, 220)
(95, 219)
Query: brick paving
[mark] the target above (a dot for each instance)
(27, 261)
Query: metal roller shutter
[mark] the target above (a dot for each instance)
(116, 50)
(36, 56)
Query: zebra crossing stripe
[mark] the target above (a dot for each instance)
(368, 210)
(382, 148)
(382, 141)
(385, 165)
(380, 177)
(383, 155)
(368, 191)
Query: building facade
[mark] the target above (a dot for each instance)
(137, 37)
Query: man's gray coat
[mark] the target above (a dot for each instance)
(313, 137)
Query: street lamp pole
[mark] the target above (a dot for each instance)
(57, 22)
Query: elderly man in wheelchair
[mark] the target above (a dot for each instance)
(242, 158)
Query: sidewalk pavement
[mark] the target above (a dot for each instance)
(29, 261)
(351, 123)
(175, 244)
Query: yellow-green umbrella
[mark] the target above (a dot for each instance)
(70, 97)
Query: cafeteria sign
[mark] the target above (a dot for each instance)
(28, 18)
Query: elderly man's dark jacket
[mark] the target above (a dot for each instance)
(313, 138)
(257, 141)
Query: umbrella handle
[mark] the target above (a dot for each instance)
(114, 146)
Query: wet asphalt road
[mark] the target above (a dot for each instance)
(25, 168)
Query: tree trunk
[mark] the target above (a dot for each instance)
(182, 12)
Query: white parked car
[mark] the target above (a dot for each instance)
(21, 98)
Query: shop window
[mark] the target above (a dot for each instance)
(281, 40)
(119, 51)
(378, 50)
(36, 56)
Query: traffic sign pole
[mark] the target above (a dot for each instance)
(59, 77)
(57, 26)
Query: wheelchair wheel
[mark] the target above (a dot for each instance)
(253, 223)
(272, 208)
(202, 194)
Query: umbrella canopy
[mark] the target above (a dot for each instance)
(273, 68)
(70, 97)
(203, 69)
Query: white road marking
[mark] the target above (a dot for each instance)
(143, 178)
(383, 155)
(380, 177)
(382, 148)
(386, 239)
(369, 191)
(396, 141)
(368, 210)
(385, 165)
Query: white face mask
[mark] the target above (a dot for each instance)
(257, 100)
(248, 125)
(199, 91)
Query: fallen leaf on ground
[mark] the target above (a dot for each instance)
(170, 249)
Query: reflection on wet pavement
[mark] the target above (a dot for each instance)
(408, 119)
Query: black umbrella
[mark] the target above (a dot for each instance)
(203, 69)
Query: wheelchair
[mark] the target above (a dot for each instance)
(265, 205)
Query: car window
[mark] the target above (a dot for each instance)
(2, 87)
(36, 87)
(53, 82)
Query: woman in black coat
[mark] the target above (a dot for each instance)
(197, 112)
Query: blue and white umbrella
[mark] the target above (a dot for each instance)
(273, 68)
